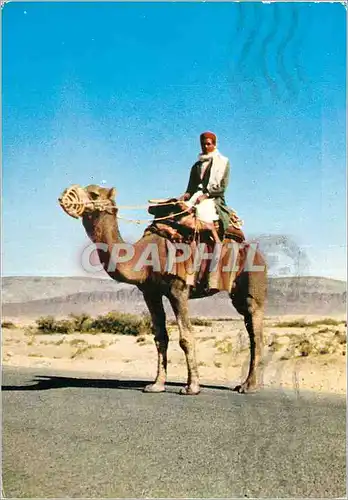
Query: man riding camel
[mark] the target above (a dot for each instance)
(207, 184)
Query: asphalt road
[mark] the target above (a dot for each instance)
(67, 435)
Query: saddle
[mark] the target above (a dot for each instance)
(174, 220)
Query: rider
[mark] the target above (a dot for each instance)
(208, 182)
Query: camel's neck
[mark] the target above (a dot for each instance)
(104, 232)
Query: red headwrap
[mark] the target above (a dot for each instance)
(208, 135)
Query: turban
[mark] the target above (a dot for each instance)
(208, 135)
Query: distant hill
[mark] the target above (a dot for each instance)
(30, 297)
(26, 288)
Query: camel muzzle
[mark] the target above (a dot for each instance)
(74, 201)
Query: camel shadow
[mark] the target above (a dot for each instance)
(44, 383)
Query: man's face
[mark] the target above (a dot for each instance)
(207, 145)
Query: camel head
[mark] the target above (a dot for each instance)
(89, 202)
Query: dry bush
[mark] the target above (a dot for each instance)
(224, 346)
(81, 322)
(201, 322)
(275, 345)
(80, 350)
(48, 324)
(303, 346)
(77, 342)
(206, 339)
(113, 322)
(143, 340)
(326, 321)
(341, 337)
(194, 321)
(299, 323)
(8, 324)
(123, 324)
(299, 347)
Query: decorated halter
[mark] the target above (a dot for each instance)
(75, 201)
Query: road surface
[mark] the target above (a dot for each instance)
(76, 435)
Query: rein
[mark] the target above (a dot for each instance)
(71, 204)
(145, 221)
(135, 207)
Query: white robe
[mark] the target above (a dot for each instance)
(205, 210)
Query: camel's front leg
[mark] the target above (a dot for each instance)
(155, 306)
(254, 324)
(179, 302)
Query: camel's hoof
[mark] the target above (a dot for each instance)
(154, 388)
(190, 390)
(246, 388)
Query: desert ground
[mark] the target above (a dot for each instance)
(301, 352)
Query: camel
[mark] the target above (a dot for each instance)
(97, 208)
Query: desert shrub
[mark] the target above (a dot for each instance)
(77, 342)
(224, 319)
(122, 324)
(8, 324)
(48, 324)
(82, 322)
(224, 346)
(64, 326)
(274, 345)
(113, 322)
(326, 349)
(201, 322)
(80, 350)
(341, 337)
(298, 323)
(194, 321)
(325, 321)
(304, 347)
(143, 340)
(299, 347)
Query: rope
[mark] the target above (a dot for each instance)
(70, 203)
(136, 207)
(129, 207)
(146, 221)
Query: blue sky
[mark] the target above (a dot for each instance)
(118, 93)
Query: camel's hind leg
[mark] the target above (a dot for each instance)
(252, 308)
(155, 306)
(178, 298)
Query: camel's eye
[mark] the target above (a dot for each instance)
(94, 196)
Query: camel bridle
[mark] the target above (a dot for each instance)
(75, 202)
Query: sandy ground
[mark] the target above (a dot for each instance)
(302, 357)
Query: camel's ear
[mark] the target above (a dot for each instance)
(112, 193)
(93, 188)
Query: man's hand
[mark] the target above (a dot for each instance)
(201, 198)
(184, 197)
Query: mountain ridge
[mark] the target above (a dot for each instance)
(24, 296)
